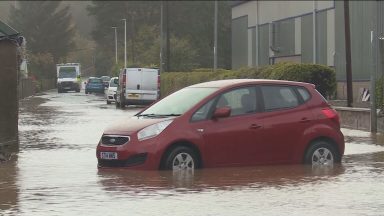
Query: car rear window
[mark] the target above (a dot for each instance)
(279, 97)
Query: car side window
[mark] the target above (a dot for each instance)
(203, 112)
(304, 93)
(279, 97)
(241, 101)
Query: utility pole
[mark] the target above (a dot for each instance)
(133, 37)
(372, 97)
(162, 36)
(115, 43)
(125, 42)
(168, 55)
(215, 40)
(314, 32)
(348, 54)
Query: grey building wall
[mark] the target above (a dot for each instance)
(321, 38)
(284, 37)
(306, 39)
(362, 21)
(263, 44)
(240, 42)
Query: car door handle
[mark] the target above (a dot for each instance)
(254, 126)
(304, 120)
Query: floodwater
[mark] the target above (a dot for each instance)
(55, 173)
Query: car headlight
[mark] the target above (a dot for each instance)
(153, 130)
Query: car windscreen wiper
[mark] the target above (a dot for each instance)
(152, 115)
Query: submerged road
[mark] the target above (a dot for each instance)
(55, 173)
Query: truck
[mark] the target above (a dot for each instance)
(137, 86)
(68, 77)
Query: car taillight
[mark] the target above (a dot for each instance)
(331, 114)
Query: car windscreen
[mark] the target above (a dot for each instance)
(179, 102)
(112, 83)
(105, 79)
(95, 81)
(67, 72)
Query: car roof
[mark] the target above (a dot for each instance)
(238, 82)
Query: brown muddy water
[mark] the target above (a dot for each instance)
(55, 173)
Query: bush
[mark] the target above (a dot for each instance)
(323, 77)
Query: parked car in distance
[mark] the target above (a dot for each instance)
(137, 86)
(94, 84)
(111, 92)
(240, 122)
(106, 80)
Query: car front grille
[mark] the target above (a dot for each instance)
(66, 84)
(114, 140)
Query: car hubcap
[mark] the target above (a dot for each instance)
(322, 156)
(183, 161)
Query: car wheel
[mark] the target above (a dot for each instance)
(321, 153)
(181, 158)
(108, 102)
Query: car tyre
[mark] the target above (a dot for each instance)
(321, 153)
(108, 102)
(181, 158)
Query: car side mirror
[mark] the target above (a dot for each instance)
(116, 81)
(222, 112)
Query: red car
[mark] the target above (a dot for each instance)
(240, 122)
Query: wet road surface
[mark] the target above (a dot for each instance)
(55, 173)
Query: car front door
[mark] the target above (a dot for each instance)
(235, 139)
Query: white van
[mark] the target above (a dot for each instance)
(138, 86)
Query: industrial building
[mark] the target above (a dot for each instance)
(267, 32)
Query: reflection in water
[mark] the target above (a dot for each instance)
(246, 178)
(8, 186)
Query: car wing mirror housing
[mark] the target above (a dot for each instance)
(222, 112)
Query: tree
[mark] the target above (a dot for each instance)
(190, 27)
(46, 26)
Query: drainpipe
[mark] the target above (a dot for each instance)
(314, 31)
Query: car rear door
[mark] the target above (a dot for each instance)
(142, 84)
(285, 122)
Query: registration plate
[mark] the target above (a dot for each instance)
(108, 155)
(133, 95)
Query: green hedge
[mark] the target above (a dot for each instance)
(322, 76)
